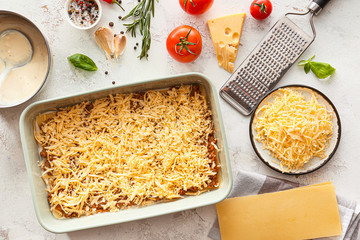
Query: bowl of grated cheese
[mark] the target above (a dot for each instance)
(295, 129)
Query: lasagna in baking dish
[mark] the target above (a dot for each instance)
(127, 150)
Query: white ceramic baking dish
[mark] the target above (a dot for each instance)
(32, 158)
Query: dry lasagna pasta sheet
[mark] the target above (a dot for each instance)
(127, 149)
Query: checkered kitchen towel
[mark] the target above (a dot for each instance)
(247, 183)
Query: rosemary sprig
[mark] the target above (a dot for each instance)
(142, 15)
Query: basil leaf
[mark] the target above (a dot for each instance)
(303, 62)
(81, 61)
(322, 70)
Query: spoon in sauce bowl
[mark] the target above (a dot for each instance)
(15, 51)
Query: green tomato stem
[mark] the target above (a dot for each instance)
(263, 8)
(184, 43)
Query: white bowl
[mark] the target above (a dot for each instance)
(315, 163)
(66, 8)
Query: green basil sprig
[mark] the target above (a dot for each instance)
(320, 69)
(81, 61)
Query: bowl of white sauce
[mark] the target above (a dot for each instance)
(25, 59)
(83, 14)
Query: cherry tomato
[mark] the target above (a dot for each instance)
(184, 44)
(196, 7)
(260, 9)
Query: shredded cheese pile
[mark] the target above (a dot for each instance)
(127, 149)
(293, 129)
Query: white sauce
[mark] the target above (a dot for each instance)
(22, 82)
(15, 48)
(15, 52)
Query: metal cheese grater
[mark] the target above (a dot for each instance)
(269, 61)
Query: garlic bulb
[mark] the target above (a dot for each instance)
(113, 45)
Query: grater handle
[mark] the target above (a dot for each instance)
(316, 5)
(321, 3)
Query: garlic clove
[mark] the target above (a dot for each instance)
(119, 44)
(104, 38)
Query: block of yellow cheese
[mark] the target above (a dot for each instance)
(301, 213)
(225, 34)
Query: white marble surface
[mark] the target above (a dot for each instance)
(337, 43)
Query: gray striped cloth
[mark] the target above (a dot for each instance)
(248, 183)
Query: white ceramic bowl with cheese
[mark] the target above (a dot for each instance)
(316, 162)
(32, 158)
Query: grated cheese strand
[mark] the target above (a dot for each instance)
(293, 129)
(127, 149)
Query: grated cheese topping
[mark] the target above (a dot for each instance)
(294, 129)
(127, 149)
